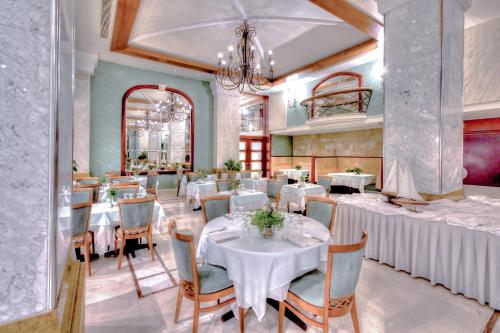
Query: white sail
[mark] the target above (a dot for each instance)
(392, 183)
(407, 188)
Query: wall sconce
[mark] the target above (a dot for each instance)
(292, 103)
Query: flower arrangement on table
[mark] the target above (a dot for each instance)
(267, 221)
(235, 186)
(203, 175)
(112, 194)
(302, 180)
(355, 170)
(298, 167)
(232, 165)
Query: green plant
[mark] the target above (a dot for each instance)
(355, 170)
(112, 192)
(298, 167)
(142, 156)
(136, 172)
(235, 184)
(203, 174)
(232, 165)
(302, 178)
(75, 166)
(103, 179)
(265, 219)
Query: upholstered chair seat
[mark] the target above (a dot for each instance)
(212, 279)
(326, 182)
(193, 176)
(151, 182)
(283, 179)
(119, 180)
(81, 195)
(215, 206)
(322, 210)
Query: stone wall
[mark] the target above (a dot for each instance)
(362, 143)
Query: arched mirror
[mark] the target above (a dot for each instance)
(157, 130)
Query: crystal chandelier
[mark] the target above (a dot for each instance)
(247, 70)
(173, 109)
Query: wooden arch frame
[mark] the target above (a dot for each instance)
(124, 120)
(358, 76)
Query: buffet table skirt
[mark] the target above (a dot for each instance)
(463, 260)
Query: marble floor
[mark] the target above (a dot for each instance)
(388, 301)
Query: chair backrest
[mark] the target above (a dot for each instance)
(152, 181)
(215, 206)
(80, 175)
(246, 174)
(223, 184)
(123, 190)
(94, 187)
(184, 254)
(136, 212)
(80, 218)
(282, 178)
(322, 210)
(89, 180)
(326, 182)
(110, 174)
(119, 179)
(273, 188)
(82, 194)
(193, 176)
(277, 173)
(343, 268)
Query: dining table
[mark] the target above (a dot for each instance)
(295, 193)
(246, 199)
(103, 193)
(353, 180)
(261, 268)
(295, 173)
(258, 184)
(195, 191)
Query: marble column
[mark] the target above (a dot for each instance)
(36, 80)
(227, 122)
(423, 88)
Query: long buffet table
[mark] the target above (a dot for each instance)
(456, 244)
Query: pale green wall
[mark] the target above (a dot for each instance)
(281, 145)
(109, 83)
(371, 78)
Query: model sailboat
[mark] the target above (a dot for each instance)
(400, 186)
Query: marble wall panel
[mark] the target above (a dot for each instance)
(81, 124)
(277, 111)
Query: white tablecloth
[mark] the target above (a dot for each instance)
(184, 182)
(197, 191)
(255, 184)
(261, 268)
(103, 193)
(453, 244)
(104, 219)
(351, 179)
(294, 193)
(143, 180)
(295, 174)
(248, 200)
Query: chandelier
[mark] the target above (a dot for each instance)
(173, 109)
(246, 71)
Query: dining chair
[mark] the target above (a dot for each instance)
(282, 178)
(124, 189)
(95, 188)
(193, 176)
(223, 185)
(273, 189)
(180, 174)
(79, 175)
(277, 173)
(204, 283)
(215, 206)
(327, 295)
(152, 183)
(246, 174)
(326, 182)
(82, 194)
(220, 171)
(80, 222)
(89, 180)
(321, 209)
(135, 222)
(119, 179)
(110, 174)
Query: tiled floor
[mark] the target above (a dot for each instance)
(388, 301)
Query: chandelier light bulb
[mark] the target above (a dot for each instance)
(270, 52)
(230, 48)
(223, 62)
(220, 55)
(271, 63)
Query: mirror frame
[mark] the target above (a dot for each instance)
(124, 123)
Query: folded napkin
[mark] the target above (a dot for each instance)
(300, 241)
(222, 237)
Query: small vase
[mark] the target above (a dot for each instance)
(267, 232)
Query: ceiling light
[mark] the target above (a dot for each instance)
(3, 66)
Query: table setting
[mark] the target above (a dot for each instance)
(263, 251)
(195, 191)
(295, 174)
(255, 183)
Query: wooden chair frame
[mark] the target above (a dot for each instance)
(123, 234)
(219, 181)
(213, 198)
(151, 190)
(85, 241)
(84, 189)
(329, 182)
(112, 179)
(94, 187)
(81, 175)
(191, 290)
(110, 174)
(333, 307)
(189, 174)
(309, 198)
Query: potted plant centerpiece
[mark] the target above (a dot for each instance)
(298, 167)
(302, 181)
(355, 170)
(235, 186)
(233, 166)
(267, 221)
(204, 176)
(112, 194)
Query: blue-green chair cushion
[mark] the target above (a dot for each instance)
(81, 197)
(136, 214)
(182, 255)
(215, 208)
(283, 179)
(79, 220)
(212, 279)
(320, 211)
(273, 189)
(326, 183)
(121, 180)
(310, 287)
(224, 186)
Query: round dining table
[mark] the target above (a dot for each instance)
(263, 268)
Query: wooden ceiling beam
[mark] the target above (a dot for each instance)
(126, 12)
(350, 14)
(345, 55)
